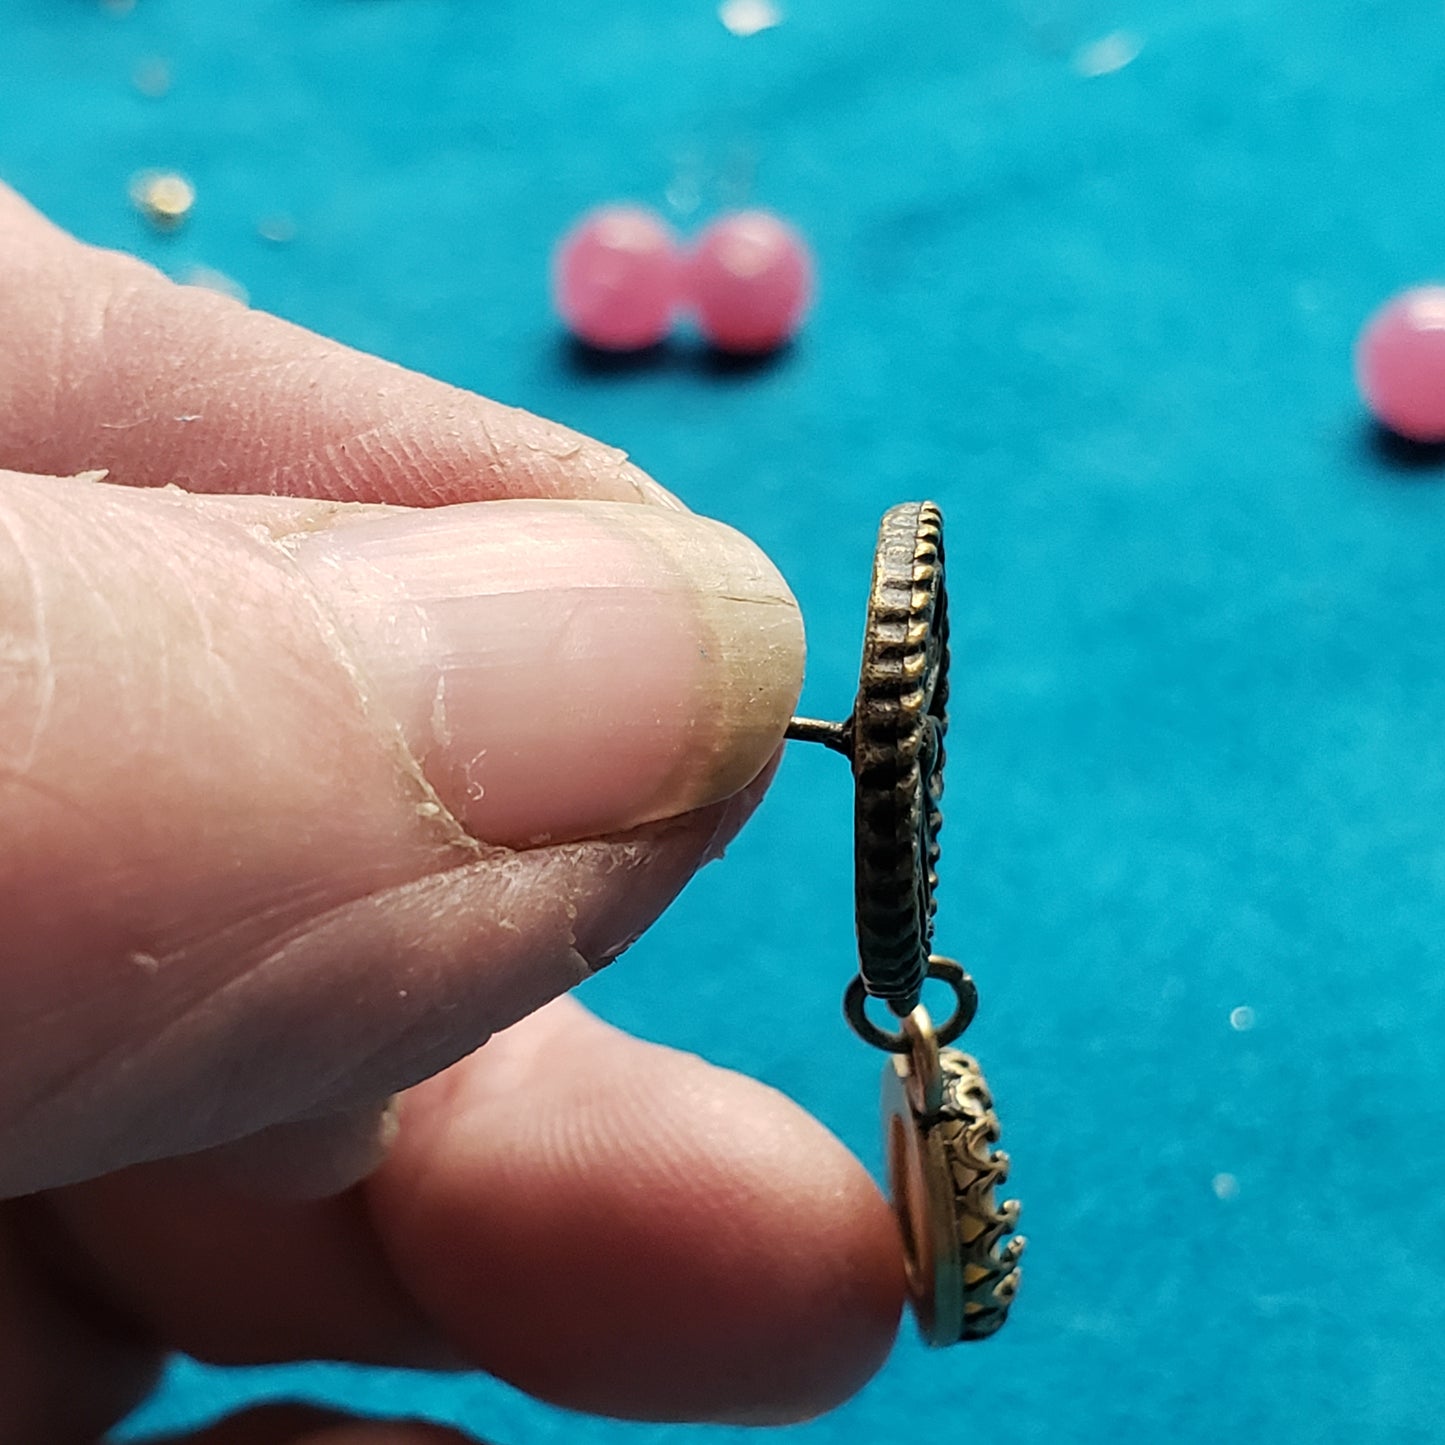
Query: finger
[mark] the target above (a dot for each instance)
(608, 1224)
(673, 1243)
(289, 1425)
(106, 364)
(66, 1371)
(302, 1159)
(256, 757)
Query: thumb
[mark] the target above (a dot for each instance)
(298, 795)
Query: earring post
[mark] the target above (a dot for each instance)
(835, 735)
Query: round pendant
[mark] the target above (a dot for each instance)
(898, 725)
(940, 1128)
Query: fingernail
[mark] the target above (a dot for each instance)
(561, 669)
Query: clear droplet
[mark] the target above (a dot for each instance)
(279, 230)
(209, 279)
(748, 17)
(152, 78)
(1105, 56)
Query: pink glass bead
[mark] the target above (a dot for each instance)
(1400, 364)
(617, 277)
(750, 279)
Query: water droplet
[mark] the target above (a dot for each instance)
(748, 17)
(1241, 1019)
(684, 196)
(1104, 57)
(152, 77)
(279, 230)
(209, 279)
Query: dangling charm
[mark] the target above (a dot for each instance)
(942, 1171)
(938, 1114)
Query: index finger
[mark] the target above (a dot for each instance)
(107, 364)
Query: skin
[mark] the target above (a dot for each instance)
(271, 873)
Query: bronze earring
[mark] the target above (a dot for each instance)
(938, 1115)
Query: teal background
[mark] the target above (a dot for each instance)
(1198, 750)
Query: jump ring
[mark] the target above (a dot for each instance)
(895, 1041)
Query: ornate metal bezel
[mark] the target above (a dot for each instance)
(898, 724)
(940, 1129)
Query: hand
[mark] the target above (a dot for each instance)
(306, 792)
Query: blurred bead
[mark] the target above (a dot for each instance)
(163, 198)
(617, 278)
(1400, 364)
(209, 279)
(278, 228)
(152, 78)
(751, 279)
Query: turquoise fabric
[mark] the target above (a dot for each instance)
(1198, 749)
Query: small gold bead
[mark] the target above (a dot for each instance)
(164, 198)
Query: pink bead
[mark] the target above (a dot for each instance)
(1400, 364)
(751, 279)
(617, 276)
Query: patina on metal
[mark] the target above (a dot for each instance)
(940, 1127)
(938, 1114)
(895, 1041)
(894, 740)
